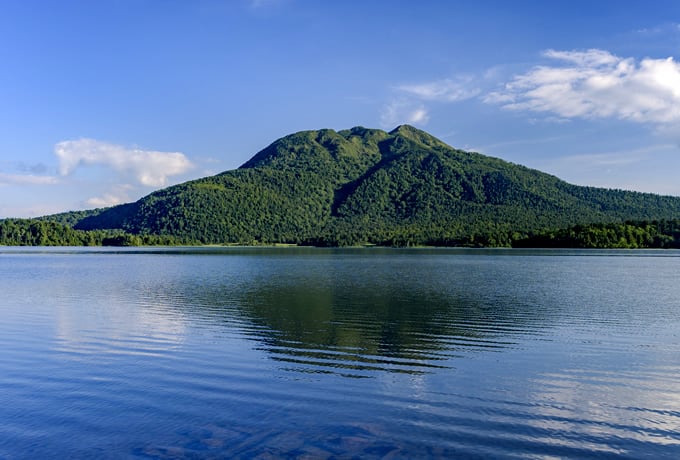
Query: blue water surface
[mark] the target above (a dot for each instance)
(316, 353)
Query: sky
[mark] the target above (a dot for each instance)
(102, 102)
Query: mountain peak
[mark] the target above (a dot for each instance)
(414, 134)
(405, 129)
(309, 148)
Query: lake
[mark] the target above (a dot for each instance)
(320, 353)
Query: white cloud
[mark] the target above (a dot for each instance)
(147, 167)
(590, 58)
(662, 30)
(119, 194)
(27, 179)
(597, 84)
(597, 160)
(442, 90)
(418, 115)
(401, 111)
(407, 105)
(109, 199)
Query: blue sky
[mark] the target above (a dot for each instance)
(103, 102)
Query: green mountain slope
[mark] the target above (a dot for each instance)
(367, 185)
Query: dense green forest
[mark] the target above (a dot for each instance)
(38, 232)
(368, 186)
(628, 235)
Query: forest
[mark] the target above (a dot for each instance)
(35, 232)
(628, 235)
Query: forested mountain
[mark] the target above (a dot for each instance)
(370, 186)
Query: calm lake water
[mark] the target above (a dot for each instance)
(267, 353)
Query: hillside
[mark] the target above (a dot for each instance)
(367, 185)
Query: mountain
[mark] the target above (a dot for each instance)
(367, 185)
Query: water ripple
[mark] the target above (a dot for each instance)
(337, 354)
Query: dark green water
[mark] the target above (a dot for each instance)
(269, 353)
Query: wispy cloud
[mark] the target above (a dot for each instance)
(446, 90)
(27, 179)
(618, 158)
(118, 194)
(399, 112)
(669, 28)
(147, 167)
(597, 84)
(411, 102)
(88, 174)
(108, 199)
(632, 169)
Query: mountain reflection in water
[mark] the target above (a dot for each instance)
(384, 315)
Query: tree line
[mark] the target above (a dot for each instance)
(662, 234)
(35, 232)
